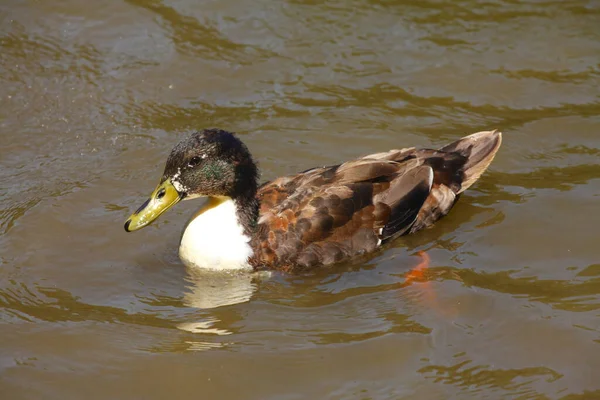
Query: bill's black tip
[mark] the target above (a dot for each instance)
(127, 225)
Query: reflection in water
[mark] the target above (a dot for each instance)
(206, 328)
(212, 289)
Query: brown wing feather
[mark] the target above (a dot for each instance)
(325, 215)
(465, 160)
(332, 213)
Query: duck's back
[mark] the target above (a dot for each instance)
(325, 215)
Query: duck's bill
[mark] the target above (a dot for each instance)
(164, 197)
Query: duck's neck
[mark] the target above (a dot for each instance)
(246, 210)
(245, 188)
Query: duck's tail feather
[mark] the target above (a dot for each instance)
(479, 149)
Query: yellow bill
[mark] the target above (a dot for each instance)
(164, 197)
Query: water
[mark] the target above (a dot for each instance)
(93, 95)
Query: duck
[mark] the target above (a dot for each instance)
(315, 218)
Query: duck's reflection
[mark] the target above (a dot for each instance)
(212, 289)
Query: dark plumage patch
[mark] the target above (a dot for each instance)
(412, 191)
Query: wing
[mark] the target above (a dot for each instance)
(325, 215)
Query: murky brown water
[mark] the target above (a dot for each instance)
(94, 94)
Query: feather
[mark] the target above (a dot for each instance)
(327, 214)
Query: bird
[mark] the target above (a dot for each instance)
(312, 219)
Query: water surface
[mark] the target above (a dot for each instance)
(93, 95)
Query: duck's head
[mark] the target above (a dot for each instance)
(211, 162)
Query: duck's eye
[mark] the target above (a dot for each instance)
(194, 161)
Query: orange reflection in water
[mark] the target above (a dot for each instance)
(420, 274)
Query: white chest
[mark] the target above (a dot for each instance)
(214, 238)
